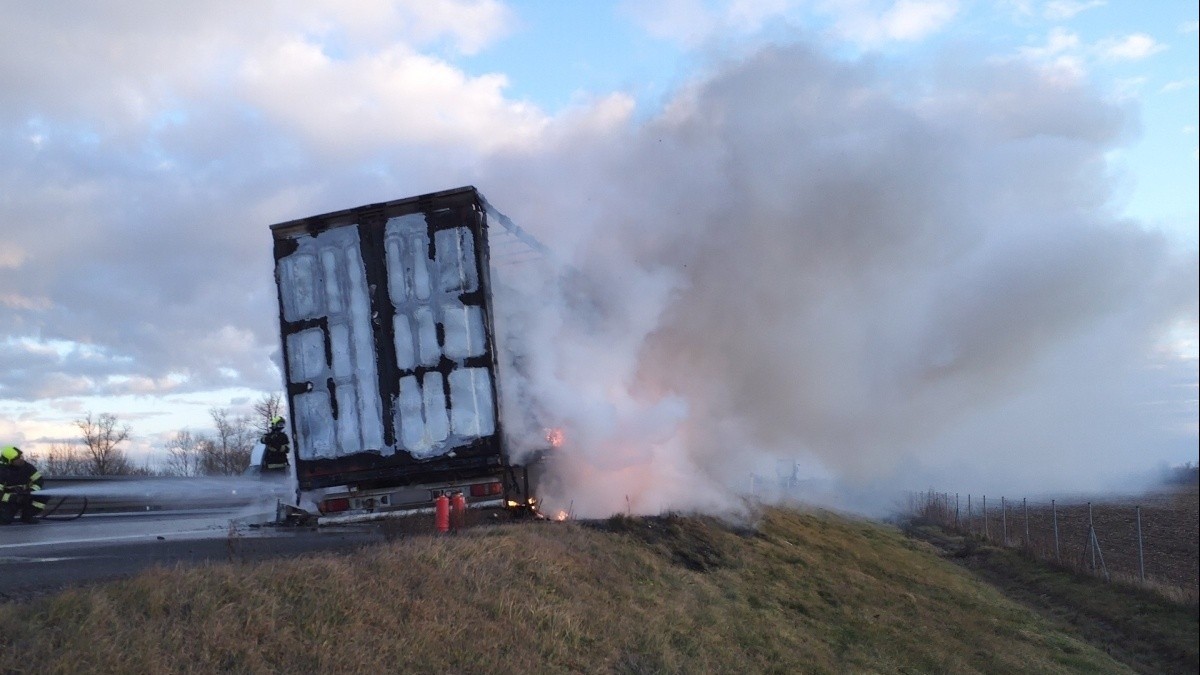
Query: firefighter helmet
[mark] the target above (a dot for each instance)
(9, 452)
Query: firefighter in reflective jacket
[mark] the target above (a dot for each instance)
(275, 447)
(20, 482)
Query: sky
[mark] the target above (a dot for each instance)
(922, 242)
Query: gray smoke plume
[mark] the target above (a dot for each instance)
(885, 278)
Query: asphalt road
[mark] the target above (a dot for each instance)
(49, 556)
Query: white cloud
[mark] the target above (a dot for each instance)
(1189, 27)
(1131, 47)
(11, 256)
(1064, 52)
(1128, 87)
(224, 117)
(127, 65)
(1178, 85)
(688, 22)
(864, 22)
(752, 14)
(695, 22)
(391, 96)
(1061, 55)
(1059, 41)
(1059, 10)
(916, 19)
(470, 25)
(24, 302)
(903, 21)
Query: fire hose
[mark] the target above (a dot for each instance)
(49, 511)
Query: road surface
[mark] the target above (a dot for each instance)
(48, 556)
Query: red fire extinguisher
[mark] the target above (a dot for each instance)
(441, 513)
(458, 510)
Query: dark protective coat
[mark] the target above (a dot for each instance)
(275, 455)
(19, 485)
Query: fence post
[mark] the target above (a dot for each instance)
(1095, 545)
(1004, 518)
(985, 527)
(1054, 512)
(1141, 560)
(1025, 509)
(1091, 538)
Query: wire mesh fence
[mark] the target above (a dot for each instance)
(1153, 539)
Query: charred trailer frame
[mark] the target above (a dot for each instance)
(389, 356)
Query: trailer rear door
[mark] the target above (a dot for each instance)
(388, 350)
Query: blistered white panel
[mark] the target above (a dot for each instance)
(397, 284)
(358, 306)
(406, 351)
(456, 260)
(407, 225)
(421, 415)
(427, 344)
(366, 379)
(333, 294)
(306, 355)
(410, 422)
(315, 433)
(408, 269)
(437, 424)
(325, 277)
(371, 414)
(348, 436)
(471, 414)
(299, 276)
(463, 326)
(418, 267)
(339, 338)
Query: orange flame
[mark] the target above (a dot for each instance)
(555, 437)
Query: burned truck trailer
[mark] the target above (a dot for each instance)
(390, 359)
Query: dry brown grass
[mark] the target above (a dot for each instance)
(801, 592)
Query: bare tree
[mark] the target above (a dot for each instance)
(266, 408)
(63, 459)
(228, 453)
(100, 438)
(146, 468)
(184, 455)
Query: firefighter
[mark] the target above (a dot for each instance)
(20, 481)
(275, 448)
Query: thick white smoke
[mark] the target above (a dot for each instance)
(891, 278)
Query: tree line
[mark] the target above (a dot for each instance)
(224, 452)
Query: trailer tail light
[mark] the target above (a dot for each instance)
(486, 489)
(335, 505)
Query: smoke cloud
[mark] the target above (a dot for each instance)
(895, 270)
(879, 279)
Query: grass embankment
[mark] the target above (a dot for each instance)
(1144, 626)
(801, 592)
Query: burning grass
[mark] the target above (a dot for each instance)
(799, 592)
